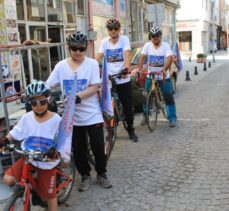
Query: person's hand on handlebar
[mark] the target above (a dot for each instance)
(3, 144)
(164, 73)
(125, 73)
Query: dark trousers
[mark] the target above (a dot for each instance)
(125, 96)
(80, 148)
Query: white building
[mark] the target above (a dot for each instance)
(198, 26)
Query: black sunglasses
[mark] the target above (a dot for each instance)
(155, 36)
(80, 49)
(39, 102)
(113, 28)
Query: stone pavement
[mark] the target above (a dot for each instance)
(182, 168)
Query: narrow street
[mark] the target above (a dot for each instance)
(182, 168)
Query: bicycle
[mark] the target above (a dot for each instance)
(154, 103)
(111, 123)
(20, 199)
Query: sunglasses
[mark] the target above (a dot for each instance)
(113, 28)
(80, 49)
(155, 36)
(39, 102)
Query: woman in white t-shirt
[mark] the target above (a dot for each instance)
(37, 129)
(116, 49)
(88, 116)
(159, 59)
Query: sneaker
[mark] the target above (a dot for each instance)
(172, 123)
(85, 183)
(132, 135)
(103, 181)
(143, 121)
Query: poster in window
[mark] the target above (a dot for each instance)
(103, 7)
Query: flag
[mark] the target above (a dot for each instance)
(177, 51)
(106, 103)
(64, 135)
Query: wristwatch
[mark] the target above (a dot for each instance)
(78, 99)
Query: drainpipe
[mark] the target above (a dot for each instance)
(89, 20)
(117, 9)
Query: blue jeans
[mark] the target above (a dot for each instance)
(167, 90)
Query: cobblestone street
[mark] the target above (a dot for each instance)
(182, 168)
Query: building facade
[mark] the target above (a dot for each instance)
(198, 27)
(53, 20)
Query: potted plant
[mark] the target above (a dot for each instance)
(201, 58)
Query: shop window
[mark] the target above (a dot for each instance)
(69, 12)
(22, 33)
(54, 10)
(20, 10)
(80, 7)
(185, 41)
(36, 10)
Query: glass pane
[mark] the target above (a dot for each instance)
(69, 12)
(36, 10)
(54, 10)
(80, 7)
(20, 10)
(39, 56)
(22, 33)
(55, 52)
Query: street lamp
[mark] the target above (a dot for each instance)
(213, 34)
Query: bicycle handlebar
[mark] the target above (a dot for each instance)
(124, 71)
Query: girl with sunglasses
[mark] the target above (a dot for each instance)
(116, 49)
(159, 59)
(37, 128)
(88, 114)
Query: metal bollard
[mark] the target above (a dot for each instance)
(209, 64)
(205, 66)
(190, 59)
(187, 76)
(195, 71)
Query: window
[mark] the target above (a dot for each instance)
(69, 12)
(54, 10)
(36, 10)
(80, 7)
(20, 10)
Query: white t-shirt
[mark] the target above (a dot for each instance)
(156, 57)
(88, 112)
(115, 55)
(28, 128)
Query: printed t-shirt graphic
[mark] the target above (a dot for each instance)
(114, 55)
(81, 85)
(156, 63)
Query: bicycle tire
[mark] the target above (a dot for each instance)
(64, 193)
(162, 103)
(111, 136)
(90, 155)
(18, 194)
(151, 111)
(173, 82)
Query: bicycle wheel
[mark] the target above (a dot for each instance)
(173, 82)
(151, 111)
(69, 170)
(16, 201)
(90, 155)
(162, 103)
(110, 134)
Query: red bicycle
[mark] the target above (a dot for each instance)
(20, 199)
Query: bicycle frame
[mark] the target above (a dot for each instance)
(27, 179)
